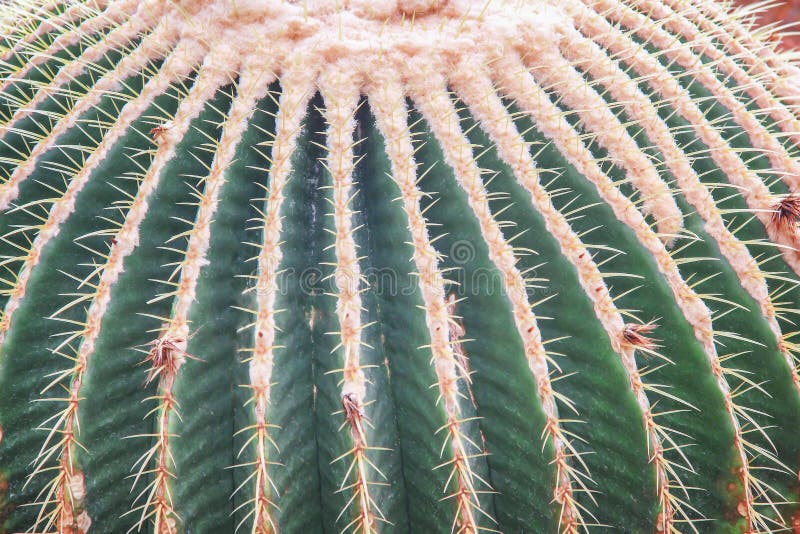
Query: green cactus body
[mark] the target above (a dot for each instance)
(397, 266)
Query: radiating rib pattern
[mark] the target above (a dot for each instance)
(665, 126)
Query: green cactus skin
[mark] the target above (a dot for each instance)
(417, 266)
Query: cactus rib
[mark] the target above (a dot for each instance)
(253, 85)
(523, 90)
(292, 106)
(340, 106)
(641, 110)
(127, 239)
(757, 194)
(787, 168)
(749, 45)
(62, 208)
(441, 116)
(138, 59)
(390, 112)
(677, 23)
(120, 38)
(66, 39)
(489, 110)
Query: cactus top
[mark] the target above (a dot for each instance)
(359, 32)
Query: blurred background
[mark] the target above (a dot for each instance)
(781, 12)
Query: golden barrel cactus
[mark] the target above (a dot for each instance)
(419, 266)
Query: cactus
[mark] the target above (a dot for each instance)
(397, 266)
(785, 14)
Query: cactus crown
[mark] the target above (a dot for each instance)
(397, 265)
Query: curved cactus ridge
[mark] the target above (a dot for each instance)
(397, 266)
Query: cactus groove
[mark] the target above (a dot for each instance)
(397, 266)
